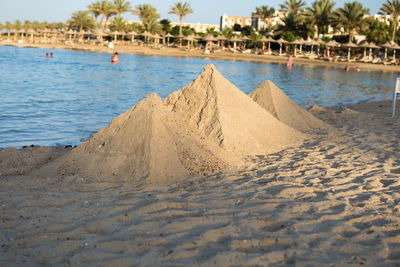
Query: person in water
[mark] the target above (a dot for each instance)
(289, 63)
(51, 54)
(114, 58)
(47, 55)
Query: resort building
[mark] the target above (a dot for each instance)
(259, 24)
(230, 21)
(198, 27)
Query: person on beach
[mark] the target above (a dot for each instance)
(114, 58)
(289, 63)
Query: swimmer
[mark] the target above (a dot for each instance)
(47, 55)
(347, 68)
(289, 62)
(114, 58)
(358, 69)
(51, 54)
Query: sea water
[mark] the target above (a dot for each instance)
(65, 99)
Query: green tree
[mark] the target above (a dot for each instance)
(27, 25)
(228, 33)
(35, 25)
(237, 27)
(294, 24)
(145, 12)
(17, 25)
(118, 24)
(95, 9)
(152, 25)
(181, 9)
(265, 13)
(106, 9)
(186, 30)
(378, 32)
(122, 6)
(247, 30)
(166, 25)
(81, 20)
(320, 15)
(392, 8)
(8, 26)
(293, 6)
(351, 17)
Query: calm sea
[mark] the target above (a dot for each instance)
(65, 99)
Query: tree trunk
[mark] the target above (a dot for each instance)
(103, 22)
(180, 26)
(395, 21)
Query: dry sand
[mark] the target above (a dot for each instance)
(277, 103)
(146, 144)
(332, 200)
(226, 115)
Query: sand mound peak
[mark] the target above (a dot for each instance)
(276, 102)
(223, 113)
(145, 144)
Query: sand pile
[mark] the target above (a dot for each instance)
(146, 143)
(220, 111)
(276, 102)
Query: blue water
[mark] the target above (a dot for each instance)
(65, 99)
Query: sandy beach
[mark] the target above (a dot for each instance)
(198, 53)
(325, 195)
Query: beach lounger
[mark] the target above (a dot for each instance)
(395, 93)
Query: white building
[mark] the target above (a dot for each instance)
(230, 21)
(198, 27)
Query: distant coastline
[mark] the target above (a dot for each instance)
(224, 55)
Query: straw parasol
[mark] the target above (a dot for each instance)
(349, 45)
(386, 46)
(281, 42)
(395, 47)
(235, 39)
(132, 33)
(313, 43)
(371, 46)
(168, 35)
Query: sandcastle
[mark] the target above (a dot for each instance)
(208, 126)
(277, 103)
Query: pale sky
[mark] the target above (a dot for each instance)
(205, 11)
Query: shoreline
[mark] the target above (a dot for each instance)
(223, 55)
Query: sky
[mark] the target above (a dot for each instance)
(205, 11)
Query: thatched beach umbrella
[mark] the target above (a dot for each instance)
(349, 45)
(281, 42)
(331, 43)
(313, 43)
(367, 45)
(235, 39)
(168, 35)
(189, 39)
(132, 34)
(263, 40)
(386, 46)
(395, 47)
(221, 38)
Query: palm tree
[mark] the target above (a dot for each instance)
(8, 26)
(152, 25)
(94, 8)
(81, 20)
(122, 7)
(378, 32)
(166, 25)
(181, 9)
(265, 13)
(351, 17)
(106, 9)
(293, 6)
(320, 14)
(118, 24)
(392, 8)
(145, 12)
(27, 25)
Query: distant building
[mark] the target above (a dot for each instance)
(198, 27)
(230, 21)
(259, 24)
